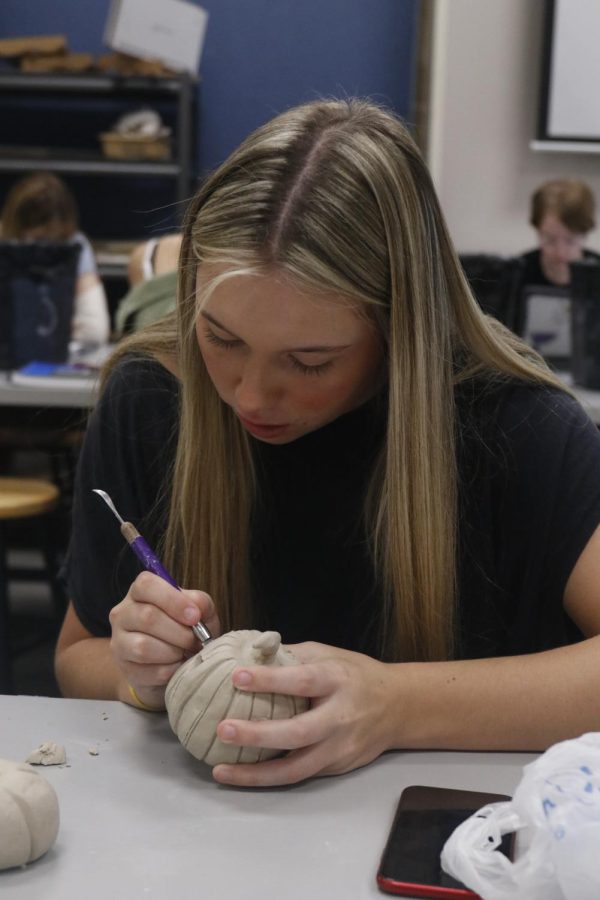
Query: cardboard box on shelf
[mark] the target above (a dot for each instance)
(46, 44)
(123, 64)
(67, 62)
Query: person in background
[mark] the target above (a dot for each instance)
(152, 273)
(563, 212)
(329, 438)
(154, 257)
(40, 207)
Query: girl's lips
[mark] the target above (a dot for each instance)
(262, 429)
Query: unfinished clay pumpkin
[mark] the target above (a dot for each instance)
(28, 814)
(201, 694)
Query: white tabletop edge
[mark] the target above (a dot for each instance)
(141, 818)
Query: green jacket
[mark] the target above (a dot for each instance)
(146, 302)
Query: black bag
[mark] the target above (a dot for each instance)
(37, 294)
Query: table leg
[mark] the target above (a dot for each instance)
(5, 642)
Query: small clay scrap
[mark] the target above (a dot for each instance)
(48, 754)
(93, 751)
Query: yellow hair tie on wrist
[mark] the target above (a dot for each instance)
(140, 703)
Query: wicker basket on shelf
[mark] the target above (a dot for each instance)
(135, 146)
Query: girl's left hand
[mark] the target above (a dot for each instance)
(346, 726)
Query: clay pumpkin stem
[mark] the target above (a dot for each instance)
(266, 647)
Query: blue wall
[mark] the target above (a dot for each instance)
(262, 56)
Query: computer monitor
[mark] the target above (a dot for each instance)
(546, 316)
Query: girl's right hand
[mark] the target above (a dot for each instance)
(152, 634)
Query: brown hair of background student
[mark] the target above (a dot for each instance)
(570, 200)
(39, 205)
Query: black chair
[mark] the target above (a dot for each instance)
(496, 283)
(585, 323)
(31, 501)
(37, 291)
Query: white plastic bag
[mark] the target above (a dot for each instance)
(556, 810)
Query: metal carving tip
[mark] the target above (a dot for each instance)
(109, 503)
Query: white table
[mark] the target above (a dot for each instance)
(65, 396)
(144, 819)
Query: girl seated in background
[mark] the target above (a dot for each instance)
(40, 207)
(153, 258)
(152, 273)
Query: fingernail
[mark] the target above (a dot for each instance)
(191, 614)
(227, 733)
(242, 679)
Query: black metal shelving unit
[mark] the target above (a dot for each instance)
(127, 91)
(28, 101)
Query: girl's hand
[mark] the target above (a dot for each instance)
(152, 634)
(347, 725)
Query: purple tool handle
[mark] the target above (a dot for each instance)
(150, 560)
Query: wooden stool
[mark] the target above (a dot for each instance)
(20, 498)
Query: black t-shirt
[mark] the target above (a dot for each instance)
(529, 500)
(532, 272)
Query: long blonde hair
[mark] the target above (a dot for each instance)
(336, 195)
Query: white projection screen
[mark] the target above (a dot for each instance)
(570, 101)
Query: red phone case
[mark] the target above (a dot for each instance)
(430, 891)
(422, 797)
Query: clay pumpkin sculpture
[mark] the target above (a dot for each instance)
(29, 814)
(201, 694)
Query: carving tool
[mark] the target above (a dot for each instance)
(149, 559)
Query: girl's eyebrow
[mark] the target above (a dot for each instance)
(321, 348)
(216, 322)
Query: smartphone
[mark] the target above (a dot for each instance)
(424, 820)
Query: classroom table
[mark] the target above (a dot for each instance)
(141, 818)
(58, 394)
(64, 396)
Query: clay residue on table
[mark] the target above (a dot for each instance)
(48, 754)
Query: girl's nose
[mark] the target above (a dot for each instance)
(256, 391)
